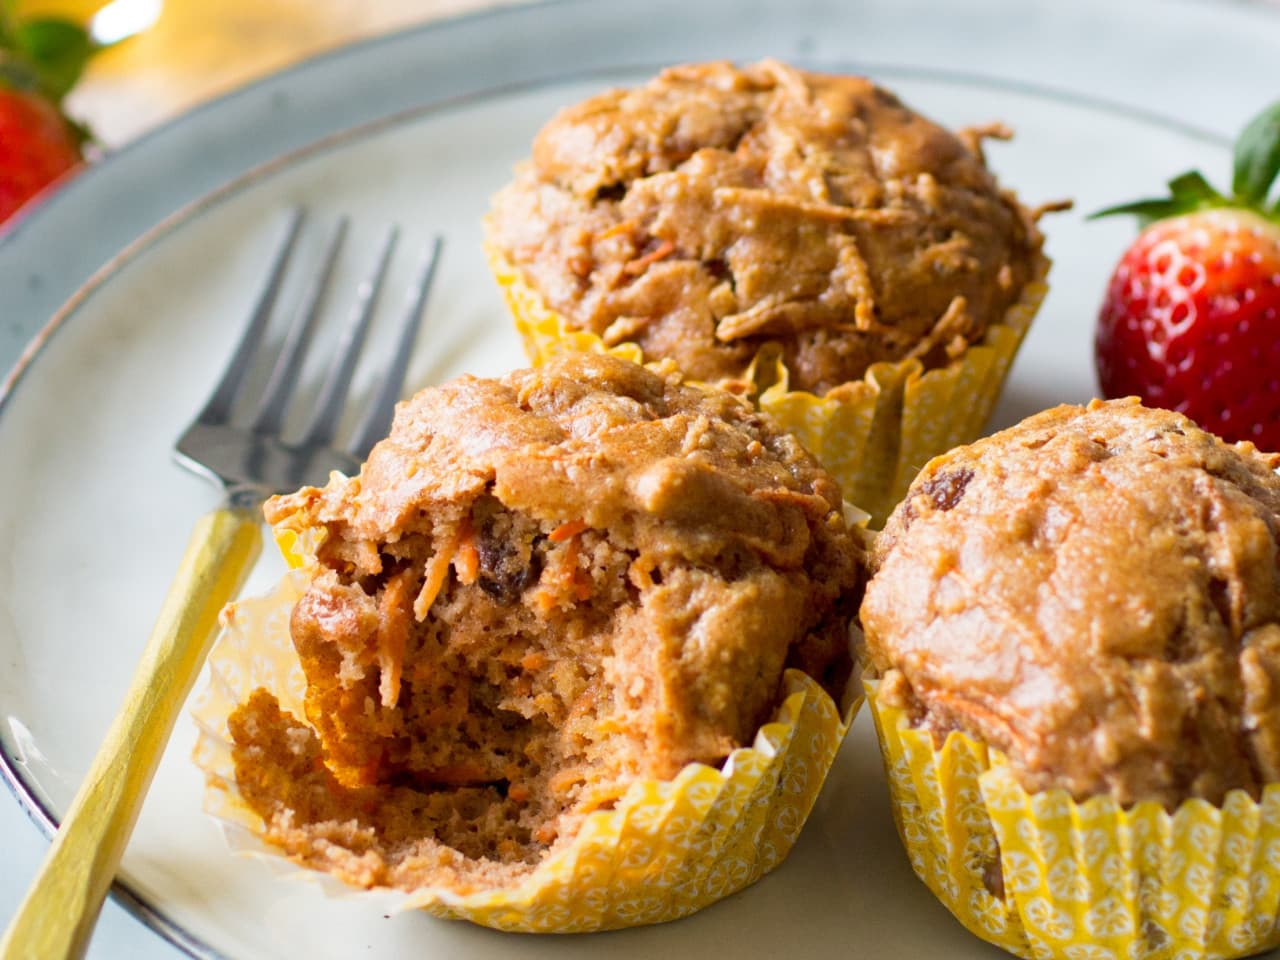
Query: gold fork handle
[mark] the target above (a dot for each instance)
(58, 915)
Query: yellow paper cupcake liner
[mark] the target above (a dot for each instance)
(872, 435)
(667, 849)
(1048, 878)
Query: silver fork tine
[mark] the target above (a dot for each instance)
(377, 418)
(281, 382)
(329, 403)
(218, 408)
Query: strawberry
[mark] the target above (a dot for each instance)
(1191, 317)
(40, 61)
(36, 148)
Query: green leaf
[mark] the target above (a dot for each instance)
(59, 51)
(16, 73)
(7, 20)
(80, 133)
(1147, 211)
(1192, 191)
(1188, 192)
(1257, 157)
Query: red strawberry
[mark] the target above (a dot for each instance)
(36, 148)
(40, 60)
(1191, 318)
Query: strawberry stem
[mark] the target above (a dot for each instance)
(6, 24)
(1188, 192)
(1256, 166)
(58, 50)
(44, 57)
(1257, 158)
(1193, 189)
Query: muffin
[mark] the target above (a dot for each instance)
(572, 644)
(1074, 632)
(803, 238)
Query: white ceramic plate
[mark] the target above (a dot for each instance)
(95, 516)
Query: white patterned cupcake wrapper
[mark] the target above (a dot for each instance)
(667, 849)
(1081, 881)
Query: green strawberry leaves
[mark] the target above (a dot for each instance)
(43, 55)
(58, 49)
(1257, 158)
(1257, 164)
(1187, 192)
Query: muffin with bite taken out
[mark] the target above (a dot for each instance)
(552, 618)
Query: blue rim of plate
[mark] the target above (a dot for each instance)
(11, 766)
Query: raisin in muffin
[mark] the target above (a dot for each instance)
(763, 223)
(540, 592)
(1075, 624)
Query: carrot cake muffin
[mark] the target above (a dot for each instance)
(540, 590)
(1094, 594)
(730, 219)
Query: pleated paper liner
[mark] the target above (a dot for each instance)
(873, 434)
(1048, 878)
(667, 849)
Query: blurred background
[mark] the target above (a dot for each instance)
(194, 50)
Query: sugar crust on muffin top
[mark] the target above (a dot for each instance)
(718, 210)
(1095, 592)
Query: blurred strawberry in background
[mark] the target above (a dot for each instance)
(1191, 317)
(41, 58)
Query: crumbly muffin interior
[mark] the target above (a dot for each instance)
(1095, 592)
(538, 591)
(716, 212)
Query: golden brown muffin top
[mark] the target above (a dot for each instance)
(1096, 592)
(744, 528)
(716, 210)
(660, 465)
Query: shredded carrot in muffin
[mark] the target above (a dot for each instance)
(567, 531)
(562, 781)
(623, 226)
(393, 636)
(467, 560)
(640, 264)
(434, 574)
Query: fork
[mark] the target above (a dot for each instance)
(251, 459)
